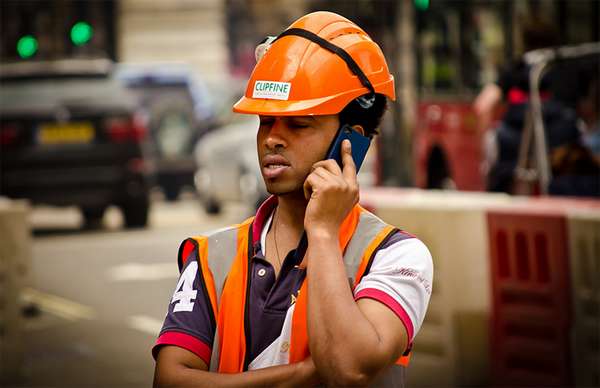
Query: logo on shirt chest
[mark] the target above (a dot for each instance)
(293, 297)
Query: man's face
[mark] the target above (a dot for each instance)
(288, 146)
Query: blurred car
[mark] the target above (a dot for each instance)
(179, 110)
(229, 171)
(228, 168)
(70, 135)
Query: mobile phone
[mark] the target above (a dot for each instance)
(360, 146)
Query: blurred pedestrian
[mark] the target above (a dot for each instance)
(576, 163)
(267, 302)
(589, 112)
(512, 87)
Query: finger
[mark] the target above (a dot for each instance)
(330, 165)
(318, 181)
(349, 171)
(326, 174)
(312, 184)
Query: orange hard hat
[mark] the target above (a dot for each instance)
(317, 66)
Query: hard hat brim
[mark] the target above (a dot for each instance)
(328, 105)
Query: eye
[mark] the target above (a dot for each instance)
(298, 124)
(266, 122)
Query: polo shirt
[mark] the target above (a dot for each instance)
(400, 277)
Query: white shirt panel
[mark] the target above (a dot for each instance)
(278, 352)
(403, 271)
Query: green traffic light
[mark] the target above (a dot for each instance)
(421, 5)
(27, 46)
(81, 33)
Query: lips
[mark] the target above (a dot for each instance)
(274, 165)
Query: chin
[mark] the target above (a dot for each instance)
(282, 188)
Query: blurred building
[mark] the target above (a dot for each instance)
(181, 30)
(249, 22)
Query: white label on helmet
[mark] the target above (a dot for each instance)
(272, 90)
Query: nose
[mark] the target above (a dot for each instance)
(275, 135)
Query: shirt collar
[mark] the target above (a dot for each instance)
(262, 220)
(260, 227)
(263, 234)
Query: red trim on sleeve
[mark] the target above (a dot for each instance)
(380, 296)
(185, 341)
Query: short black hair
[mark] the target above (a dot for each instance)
(539, 34)
(369, 118)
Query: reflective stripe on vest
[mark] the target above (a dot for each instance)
(369, 226)
(216, 254)
(224, 257)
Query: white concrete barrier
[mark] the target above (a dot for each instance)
(584, 247)
(15, 256)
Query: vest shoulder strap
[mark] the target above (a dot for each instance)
(217, 250)
(369, 227)
(222, 250)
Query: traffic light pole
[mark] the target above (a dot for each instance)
(405, 70)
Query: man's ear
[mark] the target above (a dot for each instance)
(359, 129)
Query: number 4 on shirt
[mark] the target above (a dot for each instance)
(185, 294)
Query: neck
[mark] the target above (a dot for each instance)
(290, 213)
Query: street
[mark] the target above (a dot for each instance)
(102, 294)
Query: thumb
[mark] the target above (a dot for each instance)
(349, 170)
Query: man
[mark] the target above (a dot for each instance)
(268, 302)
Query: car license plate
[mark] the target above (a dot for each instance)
(67, 133)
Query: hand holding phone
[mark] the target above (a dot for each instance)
(331, 191)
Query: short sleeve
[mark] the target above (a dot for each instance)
(401, 277)
(189, 322)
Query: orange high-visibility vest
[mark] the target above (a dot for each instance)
(224, 260)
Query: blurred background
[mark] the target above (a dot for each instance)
(117, 141)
